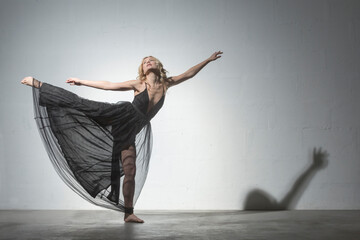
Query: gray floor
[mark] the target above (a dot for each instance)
(181, 225)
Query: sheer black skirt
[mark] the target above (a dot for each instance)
(84, 140)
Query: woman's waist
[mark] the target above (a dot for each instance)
(140, 111)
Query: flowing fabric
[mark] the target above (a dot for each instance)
(84, 140)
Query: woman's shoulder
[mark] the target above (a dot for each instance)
(169, 82)
(138, 85)
(137, 82)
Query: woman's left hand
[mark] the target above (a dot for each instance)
(215, 56)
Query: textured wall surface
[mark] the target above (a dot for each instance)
(240, 135)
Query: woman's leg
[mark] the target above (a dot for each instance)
(128, 157)
(30, 81)
(53, 96)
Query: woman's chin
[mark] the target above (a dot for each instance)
(152, 70)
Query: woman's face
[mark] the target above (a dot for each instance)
(149, 63)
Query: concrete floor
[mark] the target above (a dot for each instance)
(105, 224)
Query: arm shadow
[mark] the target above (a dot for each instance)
(259, 200)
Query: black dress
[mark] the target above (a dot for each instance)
(84, 139)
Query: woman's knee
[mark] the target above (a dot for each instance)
(128, 161)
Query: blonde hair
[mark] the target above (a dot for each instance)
(163, 78)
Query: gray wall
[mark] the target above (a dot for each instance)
(239, 135)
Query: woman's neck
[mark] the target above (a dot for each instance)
(152, 78)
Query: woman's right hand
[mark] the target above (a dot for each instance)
(73, 81)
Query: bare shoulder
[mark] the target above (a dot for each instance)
(171, 81)
(138, 85)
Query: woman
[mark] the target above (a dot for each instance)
(102, 150)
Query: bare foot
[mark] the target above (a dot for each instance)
(27, 81)
(30, 80)
(133, 218)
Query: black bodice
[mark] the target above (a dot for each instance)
(141, 103)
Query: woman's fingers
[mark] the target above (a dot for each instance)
(70, 80)
(216, 55)
(73, 81)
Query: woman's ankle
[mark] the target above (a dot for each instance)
(129, 210)
(36, 83)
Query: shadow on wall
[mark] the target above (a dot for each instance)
(258, 199)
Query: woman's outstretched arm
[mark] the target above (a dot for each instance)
(105, 85)
(194, 70)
